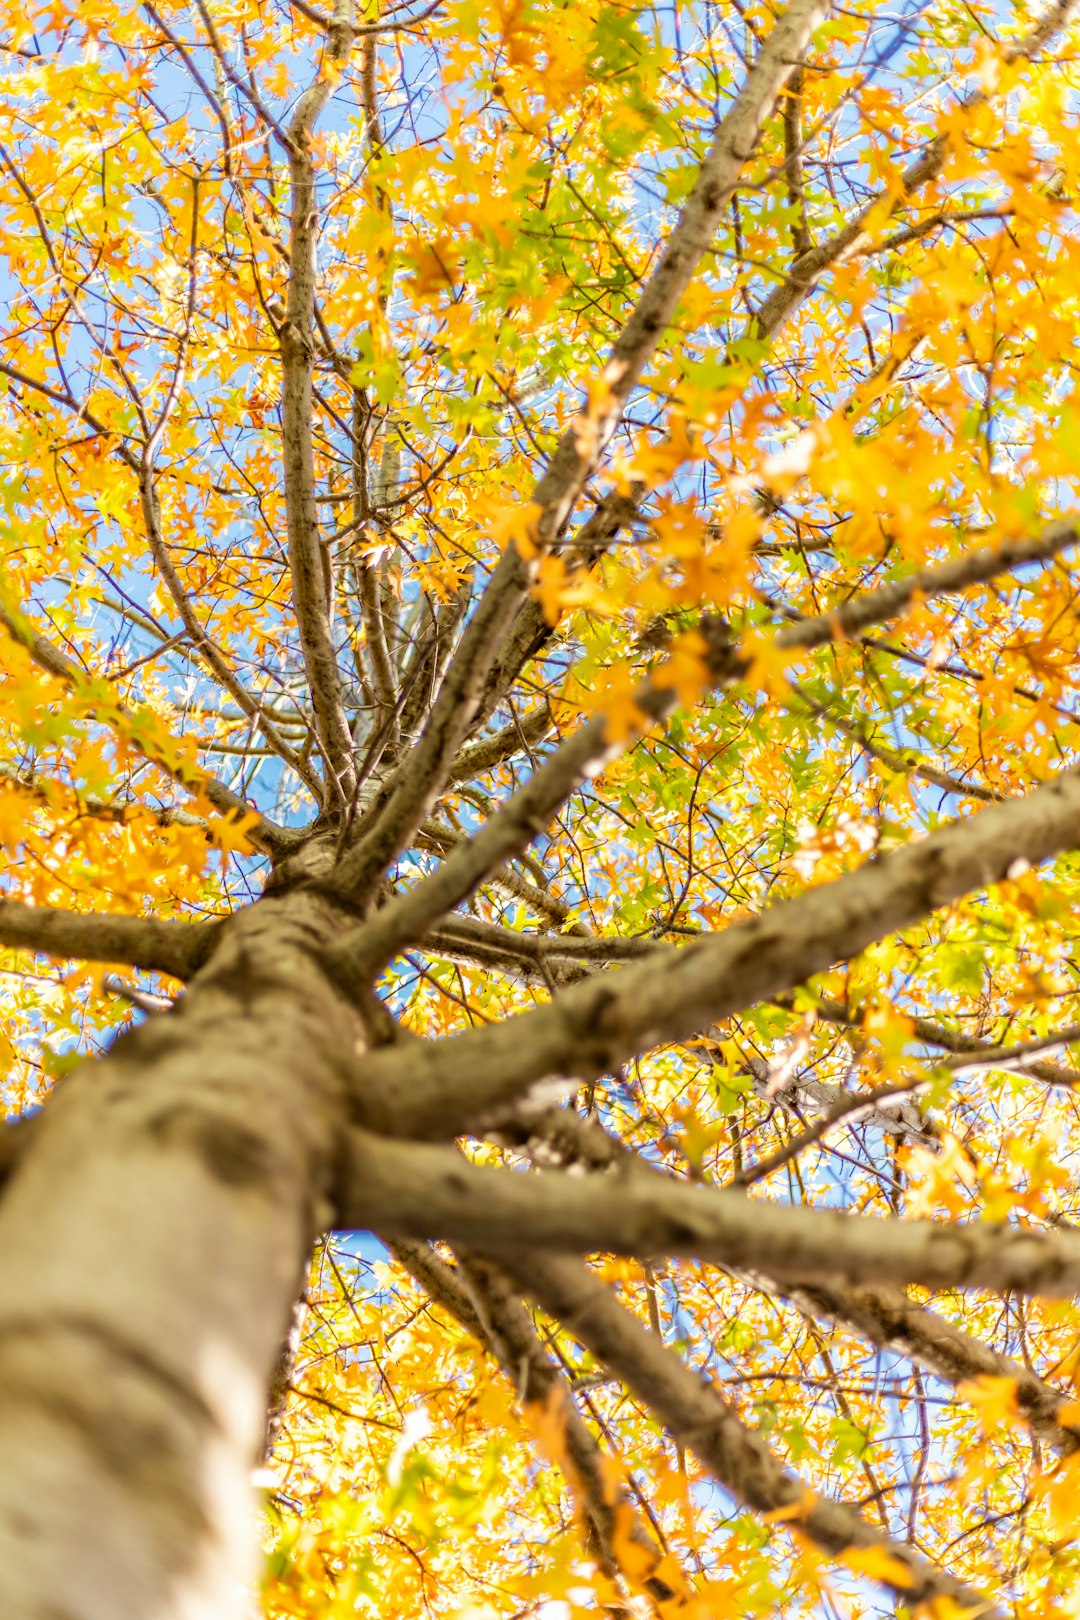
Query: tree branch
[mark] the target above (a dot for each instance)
(698, 1417)
(809, 267)
(176, 948)
(593, 1027)
(478, 1297)
(878, 1105)
(904, 763)
(617, 510)
(418, 1190)
(309, 563)
(793, 165)
(428, 661)
(531, 729)
(891, 1321)
(211, 654)
(422, 776)
(266, 835)
(526, 815)
(988, 1054)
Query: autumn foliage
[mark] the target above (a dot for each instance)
(539, 790)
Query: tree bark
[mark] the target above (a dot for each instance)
(152, 1245)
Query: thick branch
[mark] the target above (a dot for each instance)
(888, 1319)
(532, 958)
(699, 1418)
(527, 814)
(453, 713)
(211, 654)
(592, 1027)
(418, 1190)
(176, 948)
(478, 1297)
(378, 657)
(793, 165)
(135, 1372)
(365, 571)
(531, 729)
(309, 563)
(552, 960)
(428, 660)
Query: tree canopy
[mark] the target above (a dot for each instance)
(541, 809)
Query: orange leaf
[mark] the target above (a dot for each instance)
(993, 1398)
(519, 525)
(879, 1564)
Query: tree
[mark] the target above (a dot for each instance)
(540, 632)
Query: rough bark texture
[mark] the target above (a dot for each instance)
(645, 1213)
(152, 1244)
(157, 947)
(594, 1026)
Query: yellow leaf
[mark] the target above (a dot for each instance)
(1059, 1491)
(547, 1421)
(767, 665)
(437, 265)
(879, 1564)
(939, 1178)
(623, 714)
(680, 529)
(519, 525)
(557, 589)
(798, 1509)
(946, 1608)
(653, 464)
(637, 1560)
(686, 671)
(993, 1398)
(229, 833)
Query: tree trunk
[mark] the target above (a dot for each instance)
(152, 1245)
